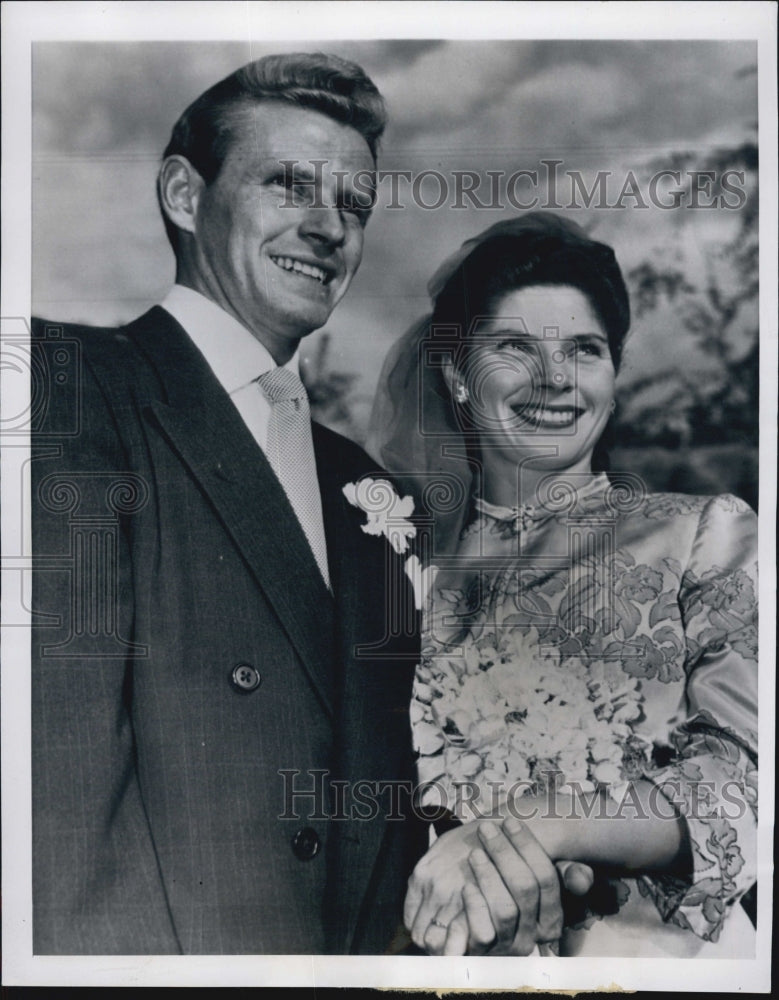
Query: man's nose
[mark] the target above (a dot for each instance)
(323, 224)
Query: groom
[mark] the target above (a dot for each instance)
(214, 649)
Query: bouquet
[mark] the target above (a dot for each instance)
(507, 718)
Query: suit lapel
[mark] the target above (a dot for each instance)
(342, 535)
(374, 742)
(205, 430)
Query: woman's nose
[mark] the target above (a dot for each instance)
(557, 365)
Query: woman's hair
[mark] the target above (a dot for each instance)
(313, 80)
(547, 250)
(417, 432)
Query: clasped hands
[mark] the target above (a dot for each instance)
(489, 888)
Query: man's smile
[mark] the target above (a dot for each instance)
(292, 264)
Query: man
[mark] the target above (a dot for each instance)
(213, 641)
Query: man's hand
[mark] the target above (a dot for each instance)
(483, 889)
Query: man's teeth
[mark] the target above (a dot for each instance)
(290, 264)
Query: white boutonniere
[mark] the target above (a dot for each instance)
(389, 515)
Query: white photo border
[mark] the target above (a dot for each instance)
(25, 23)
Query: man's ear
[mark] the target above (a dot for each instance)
(179, 187)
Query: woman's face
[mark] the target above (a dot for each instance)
(540, 379)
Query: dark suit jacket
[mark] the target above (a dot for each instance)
(168, 561)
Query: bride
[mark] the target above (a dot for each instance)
(589, 670)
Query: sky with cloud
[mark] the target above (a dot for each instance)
(102, 113)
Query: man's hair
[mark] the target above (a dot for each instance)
(332, 86)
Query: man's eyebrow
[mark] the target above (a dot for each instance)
(289, 166)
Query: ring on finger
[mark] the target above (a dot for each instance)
(435, 922)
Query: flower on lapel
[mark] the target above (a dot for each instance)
(388, 514)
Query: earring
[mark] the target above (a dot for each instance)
(461, 394)
(613, 405)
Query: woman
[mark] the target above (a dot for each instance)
(589, 654)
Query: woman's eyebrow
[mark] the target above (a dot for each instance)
(510, 331)
(595, 334)
(525, 335)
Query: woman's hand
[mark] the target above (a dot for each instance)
(483, 889)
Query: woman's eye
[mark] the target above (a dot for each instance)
(568, 348)
(515, 344)
(593, 348)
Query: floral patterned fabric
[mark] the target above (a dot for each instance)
(607, 636)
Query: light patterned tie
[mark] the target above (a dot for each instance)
(290, 451)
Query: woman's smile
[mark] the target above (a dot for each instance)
(547, 417)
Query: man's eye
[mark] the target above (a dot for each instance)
(358, 212)
(296, 188)
(358, 206)
(283, 178)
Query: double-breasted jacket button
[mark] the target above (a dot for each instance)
(245, 678)
(306, 844)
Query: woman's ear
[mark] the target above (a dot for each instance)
(179, 187)
(458, 390)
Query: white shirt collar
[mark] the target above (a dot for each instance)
(233, 353)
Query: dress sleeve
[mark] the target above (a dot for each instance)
(710, 771)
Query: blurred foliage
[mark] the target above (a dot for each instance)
(698, 430)
(705, 469)
(719, 313)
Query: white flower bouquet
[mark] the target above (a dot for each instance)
(506, 718)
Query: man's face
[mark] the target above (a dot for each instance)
(277, 255)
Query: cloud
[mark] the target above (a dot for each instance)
(568, 94)
(114, 98)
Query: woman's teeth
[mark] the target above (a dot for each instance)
(310, 270)
(559, 417)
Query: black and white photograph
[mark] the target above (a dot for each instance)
(389, 490)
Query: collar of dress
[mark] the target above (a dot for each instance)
(561, 495)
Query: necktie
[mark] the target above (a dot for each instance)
(290, 451)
